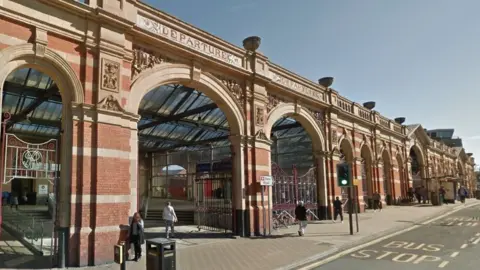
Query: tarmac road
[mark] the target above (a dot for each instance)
(452, 242)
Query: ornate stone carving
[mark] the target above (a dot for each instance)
(143, 60)
(260, 135)
(110, 75)
(259, 117)
(273, 101)
(235, 88)
(110, 103)
(334, 137)
(317, 115)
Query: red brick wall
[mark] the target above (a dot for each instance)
(256, 157)
(98, 175)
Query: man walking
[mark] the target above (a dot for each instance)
(170, 218)
(301, 216)
(337, 209)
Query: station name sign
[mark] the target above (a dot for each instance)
(296, 86)
(188, 41)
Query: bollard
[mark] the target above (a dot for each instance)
(119, 255)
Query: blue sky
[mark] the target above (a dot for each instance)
(417, 59)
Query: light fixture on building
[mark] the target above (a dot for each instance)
(400, 120)
(369, 105)
(252, 43)
(326, 81)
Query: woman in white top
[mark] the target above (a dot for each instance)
(170, 218)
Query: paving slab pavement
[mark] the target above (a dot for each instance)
(285, 249)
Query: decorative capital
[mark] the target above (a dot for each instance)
(110, 103)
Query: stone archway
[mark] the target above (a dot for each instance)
(461, 171)
(313, 129)
(387, 175)
(302, 116)
(183, 74)
(402, 176)
(219, 94)
(367, 170)
(59, 70)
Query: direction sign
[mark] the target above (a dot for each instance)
(266, 180)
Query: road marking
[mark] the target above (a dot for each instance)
(443, 264)
(478, 234)
(340, 254)
(464, 246)
(450, 223)
(460, 224)
(454, 254)
(476, 241)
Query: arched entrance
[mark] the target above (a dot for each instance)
(193, 124)
(401, 174)
(417, 167)
(346, 155)
(38, 88)
(366, 172)
(298, 173)
(461, 173)
(387, 177)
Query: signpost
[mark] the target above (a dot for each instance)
(265, 181)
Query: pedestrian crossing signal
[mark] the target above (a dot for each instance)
(343, 175)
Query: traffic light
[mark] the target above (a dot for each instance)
(343, 175)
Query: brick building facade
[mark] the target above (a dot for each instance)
(106, 55)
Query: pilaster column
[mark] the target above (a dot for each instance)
(322, 185)
(239, 177)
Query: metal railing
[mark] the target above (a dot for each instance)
(31, 230)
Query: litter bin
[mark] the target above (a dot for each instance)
(434, 198)
(161, 254)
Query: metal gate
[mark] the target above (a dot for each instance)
(36, 161)
(289, 189)
(213, 196)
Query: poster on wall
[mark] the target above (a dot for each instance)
(42, 189)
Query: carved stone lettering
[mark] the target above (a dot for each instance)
(311, 93)
(187, 41)
(143, 60)
(259, 117)
(110, 75)
(110, 103)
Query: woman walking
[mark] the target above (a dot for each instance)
(136, 235)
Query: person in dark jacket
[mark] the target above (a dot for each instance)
(337, 209)
(136, 235)
(301, 216)
(442, 192)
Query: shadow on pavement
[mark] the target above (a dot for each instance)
(21, 261)
(190, 235)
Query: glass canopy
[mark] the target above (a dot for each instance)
(173, 117)
(34, 102)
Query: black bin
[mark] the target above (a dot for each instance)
(161, 254)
